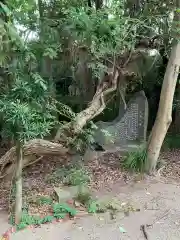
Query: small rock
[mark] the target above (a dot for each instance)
(62, 195)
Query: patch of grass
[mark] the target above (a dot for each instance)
(136, 161)
(97, 205)
(83, 197)
(101, 206)
(113, 204)
(92, 205)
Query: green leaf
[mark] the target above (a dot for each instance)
(59, 215)
(47, 219)
(93, 207)
(51, 53)
(122, 230)
(64, 208)
(6, 9)
(21, 226)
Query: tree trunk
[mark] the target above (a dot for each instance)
(31, 150)
(83, 78)
(89, 3)
(96, 106)
(18, 179)
(98, 4)
(39, 147)
(164, 118)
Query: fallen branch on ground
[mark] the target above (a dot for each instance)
(32, 149)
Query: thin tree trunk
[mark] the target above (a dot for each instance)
(83, 78)
(98, 4)
(164, 118)
(18, 203)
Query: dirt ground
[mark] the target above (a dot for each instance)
(159, 205)
(157, 198)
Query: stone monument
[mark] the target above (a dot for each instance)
(129, 126)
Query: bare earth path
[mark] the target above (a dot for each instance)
(159, 205)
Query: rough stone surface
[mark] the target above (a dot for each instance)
(130, 126)
(65, 193)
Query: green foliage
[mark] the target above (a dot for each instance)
(62, 209)
(59, 212)
(33, 220)
(26, 220)
(44, 34)
(113, 206)
(70, 175)
(84, 138)
(43, 200)
(136, 160)
(77, 177)
(93, 207)
(57, 176)
(172, 142)
(47, 219)
(101, 206)
(96, 205)
(106, 31)
(25, 106)
(107, 36)
(24, 122)
(83, 197)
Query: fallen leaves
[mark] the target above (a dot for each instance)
(105, 170)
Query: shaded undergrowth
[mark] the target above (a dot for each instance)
(70, 175)
(136, 161)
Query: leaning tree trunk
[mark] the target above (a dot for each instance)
(164, 118)
(39, 147)
(18, 181)
(95, 107)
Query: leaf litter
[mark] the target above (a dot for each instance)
(105, 172)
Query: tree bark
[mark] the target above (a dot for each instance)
(31, 150)
(18, 180)
(39, 147)
(89, 3)
(83, 78)
(96, 106)
(98, 4)
(164, 118)
(34, 149)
